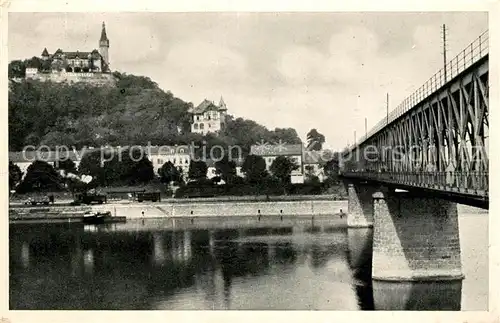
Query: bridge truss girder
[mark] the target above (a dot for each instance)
(446, 132)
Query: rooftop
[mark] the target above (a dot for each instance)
(207, 105)
(276, 150)
(48, 156)
(51, 156)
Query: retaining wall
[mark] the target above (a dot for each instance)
(224, 209)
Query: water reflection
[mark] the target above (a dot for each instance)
(360, 241)
(413, 296)
(117, 267)
(154, 265)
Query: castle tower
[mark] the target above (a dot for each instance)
(222, 113)
(103, 48)
(222, 104)
(45, 54)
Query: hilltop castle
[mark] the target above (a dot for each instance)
(74, 66)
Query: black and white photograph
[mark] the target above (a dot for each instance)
(248, 160)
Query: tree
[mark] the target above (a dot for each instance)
(40, 176)
(91, 164)
(226, 169)
(315, 140)
(309, 172)
(15, 175)
(197, 170)
(282, 168)
(285, 135)
(67, 165)
(313, 180)
(128, 167)
(169, 173)
(331, 170)
(17, 69)
(141, 171)
(254, 168)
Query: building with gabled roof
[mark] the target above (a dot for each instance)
(271, 152)
(209, 117)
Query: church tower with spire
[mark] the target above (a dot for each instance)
(104, 47)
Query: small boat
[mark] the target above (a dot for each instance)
(103, 217)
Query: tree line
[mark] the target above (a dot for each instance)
(131, 169)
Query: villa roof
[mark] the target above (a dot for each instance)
(205, 105)
(73, 54)
(168, 150)
(45, 53)
(47, 156)
(276, 150)
(51, 156)
(77, 54)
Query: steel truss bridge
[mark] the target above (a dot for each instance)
(436, 140)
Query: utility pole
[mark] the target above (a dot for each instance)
(366, 132)
(387, 107)
(444, 53)
(355, 137)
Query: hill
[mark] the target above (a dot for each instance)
(134, 112)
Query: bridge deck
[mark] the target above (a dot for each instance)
(466, 188)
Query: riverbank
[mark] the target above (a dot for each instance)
(65, 200)
(180, 208)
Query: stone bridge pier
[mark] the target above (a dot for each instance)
(360, 205)
(415, 237)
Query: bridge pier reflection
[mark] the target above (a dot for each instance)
(360, 248)
(417, 296)
(158, 249)
(211, 242)
(25, 254)
(360, 242)
(186, 245)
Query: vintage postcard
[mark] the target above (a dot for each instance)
(267, 158)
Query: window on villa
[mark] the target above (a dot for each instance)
(196, 126)
(160, 161)
(202, 125)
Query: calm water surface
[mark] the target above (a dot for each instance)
(216, 264)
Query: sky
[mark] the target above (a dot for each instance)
(327, 71)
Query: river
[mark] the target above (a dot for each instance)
(155, 264)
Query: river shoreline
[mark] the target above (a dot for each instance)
(188, 208)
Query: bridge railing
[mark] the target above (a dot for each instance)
(475, 183)
(466, 58)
